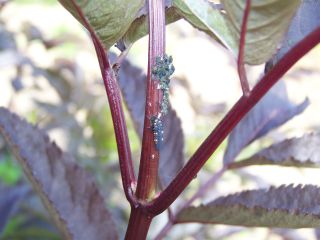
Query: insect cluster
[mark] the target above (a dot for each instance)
(161, 71)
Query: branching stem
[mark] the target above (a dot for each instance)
(239, 110)
(143, 210)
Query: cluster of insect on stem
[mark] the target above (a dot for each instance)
(161, 72)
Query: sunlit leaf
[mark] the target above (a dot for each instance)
(273, 110)
(267, 24)
(68, 191)
(110, 19)
(296, 152)
(284, 207)
(203, 15)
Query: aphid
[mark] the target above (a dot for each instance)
(164, 104)
(163, 68)
(161, 71)
(158, 131)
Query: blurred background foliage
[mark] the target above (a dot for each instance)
(49, 75)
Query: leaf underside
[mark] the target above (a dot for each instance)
(68, 191)
(284, 207)
(110, 19)
(295, 152)
(204, 16)
(273, 110)
(267, 24)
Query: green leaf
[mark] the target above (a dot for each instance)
(295, 152)
(202, 15)
(268, 22)
(67, 190)
(284, 207)
(110, 19)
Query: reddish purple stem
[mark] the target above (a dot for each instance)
(148, 169)
(242, 43)
(142, 210)
(239, 110)
(114, 97)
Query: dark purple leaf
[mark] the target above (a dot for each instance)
(297, 152)
(10, 198)
(273, 110)
(11, 57)
(7, 40)
(171, 155)
(317, 233)
(132, 82)
(288, 234)
(283, 207)
(306, 19)
(68, 191)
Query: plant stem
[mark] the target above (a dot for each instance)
(121, 57)
(239, 110)
(139, 224)
(148, 169)
(118, 119)
(242, 43)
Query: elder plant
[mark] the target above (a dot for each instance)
(276, 32)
